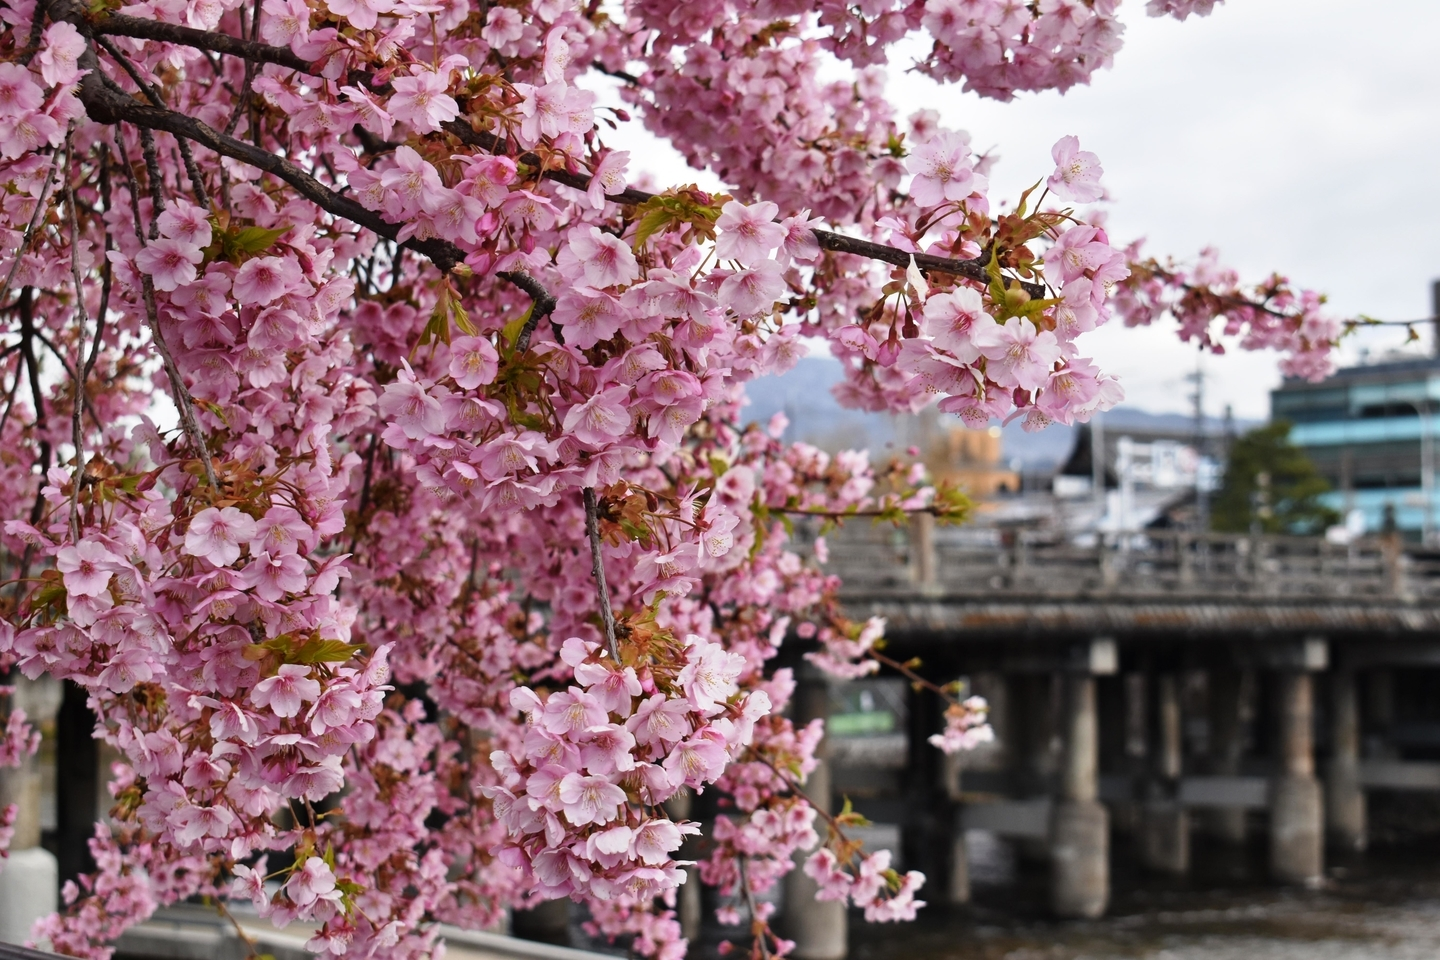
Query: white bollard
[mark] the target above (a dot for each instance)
(29, 885)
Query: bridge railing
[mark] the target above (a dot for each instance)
(973, 561)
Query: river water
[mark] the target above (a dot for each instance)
(1384, 905)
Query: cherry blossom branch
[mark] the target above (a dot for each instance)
(30, 227)
(597, 566)
(543, 304)
(111, 106)
(444, 254)
(121, 25)
(196, 183)
(829, 818)
(189, 424)
(758, 927)
(81, 368)
(976, 269)
(910, 674)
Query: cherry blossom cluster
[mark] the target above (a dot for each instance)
(376, 452)
(966, 726)
(1210, 303)
(598, 755)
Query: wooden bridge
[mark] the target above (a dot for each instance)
(1157, 684)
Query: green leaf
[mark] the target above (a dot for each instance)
(684, 207)
(511, 331)
(324, 651)
(462, 319)
(253, 240)
(1025, 197)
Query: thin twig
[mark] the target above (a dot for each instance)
(76, 433)
(250, 942)
(197, 183)
(758, 927)
(188, 422)
(30, 227)
(597, 566)
(10, 395)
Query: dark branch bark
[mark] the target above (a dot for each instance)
(197, 183)
(544, 304)
(120, 25)
(106, 105)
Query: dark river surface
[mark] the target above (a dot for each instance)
(1384, 905)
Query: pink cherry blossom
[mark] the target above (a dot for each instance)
(589, 799)
(264, 280)
(271, 577)
(943, 170)
(170, 263)
(748, 234)
(473, 361)
(1018, 354)
(285, 692)
(217, 534)
(86, 568)
(421, 101)
(608, 178)
(754, 289)
(19, 94)
(360, 13)
(606, 260)
(600, 419)
(1077, 172)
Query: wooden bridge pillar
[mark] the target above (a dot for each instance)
(1080, 825)
(1164, 834)
(818, 927)
(1296, 816)
(1344, 798)
(1229, 692)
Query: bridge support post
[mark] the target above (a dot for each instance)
(818, 927)
(1344, 798)
(1227, 696)
(1080, 825)
(30, 882)
(1296, 814)
(1164, 836)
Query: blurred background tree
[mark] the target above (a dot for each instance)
(1271, 486)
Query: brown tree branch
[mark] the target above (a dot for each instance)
(597, 568)
(121, 25)
(834, 242)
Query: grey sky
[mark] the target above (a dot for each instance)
(1294, 135)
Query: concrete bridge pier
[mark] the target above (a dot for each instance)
(1080, 824)
(1296, 806)
(818, 927)
(1164, 829)
(1344, 796)
(30, 881)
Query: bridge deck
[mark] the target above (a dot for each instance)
(976, 582)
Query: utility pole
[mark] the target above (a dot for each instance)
(1202, 495)
(1097, 467)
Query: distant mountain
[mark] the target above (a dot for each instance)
(804, 396)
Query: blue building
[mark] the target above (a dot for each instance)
(1370, 430)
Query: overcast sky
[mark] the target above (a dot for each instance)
(1294, 135)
